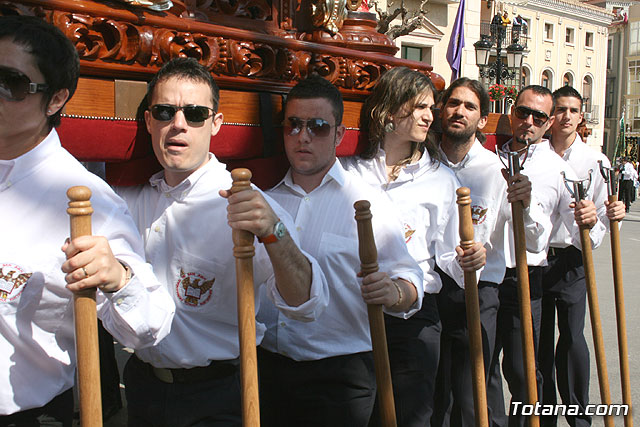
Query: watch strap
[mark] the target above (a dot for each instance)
(271, 238)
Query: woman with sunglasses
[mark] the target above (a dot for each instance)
(401, 162)
(38, 73)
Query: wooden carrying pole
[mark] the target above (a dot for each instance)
(618, 287)
(369, 264)
(86, 320)
(524, 296)
(243, 251)
(594, 308)
(472, 305)
(623, 349)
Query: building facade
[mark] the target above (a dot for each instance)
(566, 43)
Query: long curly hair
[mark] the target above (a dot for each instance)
(396, 88)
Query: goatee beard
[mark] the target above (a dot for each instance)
(458, 137)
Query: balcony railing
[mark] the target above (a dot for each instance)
(507, 34)
(591, 113)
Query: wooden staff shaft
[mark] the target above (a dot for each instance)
(368, 265)
(524, 301)
(472, 305)
(623, 350)
(86, 320)
(596, 326)
(243, 251)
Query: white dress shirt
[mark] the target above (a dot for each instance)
(188, 242)
(583, 159)
(324, 219)
(424, 195)
(37, 346)
(481, 171)
(628, 172)
(548, 194)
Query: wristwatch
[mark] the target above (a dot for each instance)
(279, 231)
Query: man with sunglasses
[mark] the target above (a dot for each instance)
(321, 373)
(564, 281)
(531, 118)
(39, 70)
(192, 376)
(464, 107)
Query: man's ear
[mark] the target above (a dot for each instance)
(216, 124)
(482, 122)
(57, 101)
(550, 123)
(147, 120)
(340, 131)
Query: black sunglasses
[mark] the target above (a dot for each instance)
(15, 86)
(539, 117)
(193, 113)
(316, 127)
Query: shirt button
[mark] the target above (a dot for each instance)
(119, 301)
(157, 229)
(9, 183)
(283, 324)
(306, 198)
(298, 228)
(167, 195)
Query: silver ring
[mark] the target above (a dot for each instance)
(85, 272)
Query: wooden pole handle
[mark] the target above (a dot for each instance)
(524, 301)
(369, 264)
(472, 305)
(85, 318)
(618, 286)
(243, 251)
(596, 326)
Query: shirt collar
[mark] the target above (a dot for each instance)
(577, 144)
(336, 173)
(408, 172)
(471, 154)
(182, 189)
(12, 171)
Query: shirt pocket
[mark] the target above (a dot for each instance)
(197, 283)
(338, 256)
(35, 291)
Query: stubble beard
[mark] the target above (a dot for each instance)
(458, 137)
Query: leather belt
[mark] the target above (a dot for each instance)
(215, 370)
(560, 251)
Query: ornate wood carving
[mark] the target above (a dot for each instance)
(135, 43)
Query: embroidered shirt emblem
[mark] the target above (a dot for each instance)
(478, 214)
(408, 232)
(12, 281)
(193, 289)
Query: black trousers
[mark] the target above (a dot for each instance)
(153, 403)
(564, 293)
(336, 391)
(509, 342)
(414, 351)
(626, 191)
(454, 404)
(57, 413)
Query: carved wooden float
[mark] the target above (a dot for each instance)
(256, 50)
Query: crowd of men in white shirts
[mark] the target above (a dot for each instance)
(164, 268)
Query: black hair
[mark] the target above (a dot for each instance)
(316, 86)
(539, 90)
(185, 68)
(55, 55)
(567, 91)
(476, 87)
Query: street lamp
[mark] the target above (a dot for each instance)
(497, 69)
